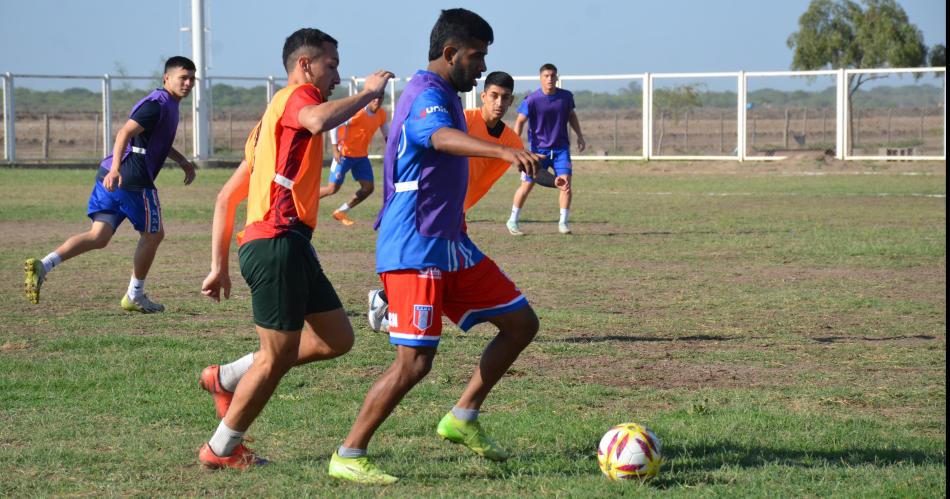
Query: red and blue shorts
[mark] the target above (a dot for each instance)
(418, 298)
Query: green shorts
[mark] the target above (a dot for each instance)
(286, 281)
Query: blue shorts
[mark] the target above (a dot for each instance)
(560, 159)
(141, 208)
(360, 168)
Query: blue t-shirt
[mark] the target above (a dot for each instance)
(399, 245)
(548, 117)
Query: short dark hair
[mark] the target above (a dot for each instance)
(500, 79)
(460, 26)
(179, 62)
(547, 67)
(304, 37)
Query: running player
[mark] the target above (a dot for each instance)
(298, 315)
(426, 262)
(350, 150)
(483, 123)
(548, 111)
(126, 188)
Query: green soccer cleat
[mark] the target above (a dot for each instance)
(35, 275)
(143, 305)
(359, 470)
(471, 435)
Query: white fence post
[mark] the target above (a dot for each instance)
(270, 88)
(647, 104)
(743, 98)
(841, 114)
(106, 115)
(9, 119)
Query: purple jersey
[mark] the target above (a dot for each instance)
(548, 116)
(146, 152)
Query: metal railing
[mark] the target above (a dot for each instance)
(842, 149)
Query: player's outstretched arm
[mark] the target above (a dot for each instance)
(458, 143)
(222, 228)
(329, 115)
(519, 124)
(186, 166)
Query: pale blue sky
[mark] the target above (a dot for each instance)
(595, 37)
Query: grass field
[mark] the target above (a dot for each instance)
(781, 327)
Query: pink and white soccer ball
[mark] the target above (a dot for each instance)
(628, 451)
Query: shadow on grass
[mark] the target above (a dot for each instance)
(837, 339)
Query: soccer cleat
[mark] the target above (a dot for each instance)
(378, 310)
(359, 470)
(513, 228)
(341, 216)
(563, 228)
(471, 435)
(210, 382)
(35, 275)
(241, 458)
(143, 305)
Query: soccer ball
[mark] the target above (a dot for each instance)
(629, 450)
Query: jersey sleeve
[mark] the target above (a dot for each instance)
(430, 112)
(570, 101)
(303, 96)
(250, 144)
(523, 107)
(147, 115)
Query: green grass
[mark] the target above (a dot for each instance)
(783, 334)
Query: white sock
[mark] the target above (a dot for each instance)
(515, 213)
(136, 288)
(465, 414)
(564, 213)
(230, 374)
(224, 440)
(345, 207)
(51, 261)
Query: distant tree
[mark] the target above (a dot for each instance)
(938, 56)
(842, 34)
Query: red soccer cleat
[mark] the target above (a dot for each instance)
(242, 458)
(210, 383)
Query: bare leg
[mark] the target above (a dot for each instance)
(515, 331)
(329, 189)
(96, 238)
(145, 253)
(411, 365)
(565, 195)
(326, 335)
(366, 188)
(521, 195)
(277, 355)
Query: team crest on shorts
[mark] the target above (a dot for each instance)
(422, 316)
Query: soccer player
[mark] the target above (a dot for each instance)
(350, 150)
(484, 123)
(548, 111)
(426, 262)
(298, 315)
(125, 188)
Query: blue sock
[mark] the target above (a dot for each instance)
(348, 452)
(465, 414)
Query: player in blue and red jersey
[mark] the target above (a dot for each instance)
(126, 188)
(547, 112)
(427, 263)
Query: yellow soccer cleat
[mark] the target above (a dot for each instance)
(471, 435)
(143, 305)
(35, 275)
(359, 470)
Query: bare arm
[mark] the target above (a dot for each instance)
(130, 129)
(458, 143)
(231, 195)
(576, 126)
(519, 124)
(186, 166)
(329, 115)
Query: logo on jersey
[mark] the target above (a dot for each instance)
(430, 273)
(433, 109)
(421, 317)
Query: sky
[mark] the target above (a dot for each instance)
(92, 37)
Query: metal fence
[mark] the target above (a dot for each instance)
(645, 126)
